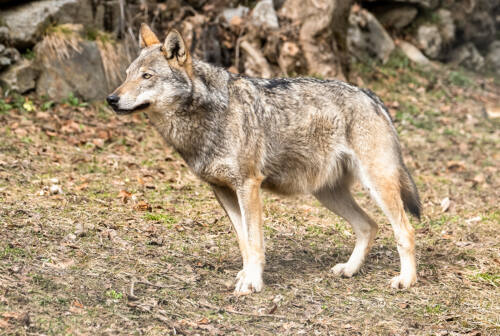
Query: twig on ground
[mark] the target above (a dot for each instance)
(131, 295)
(232, 311)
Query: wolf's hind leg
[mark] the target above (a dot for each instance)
(385, 188)
(340, 201)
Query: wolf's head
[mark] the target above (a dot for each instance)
(159, 80)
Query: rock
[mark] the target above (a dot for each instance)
(468, 56)
(20, 77)
(476, 21)
(446, 25)
(413, 53)
(27, 21)
(430, 40)
(264, 15)
(427, 4)
(493, 56)
(8, 56)
(4, 62)
(367, 38)
(4, 34)
(396, 17)
(13, 54)
(480, 29)
(82, 72)
(229, 13)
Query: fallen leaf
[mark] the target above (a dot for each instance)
(12, 315)
(82, 186)
(142, 206)
(77, 303)
(98, 142)
(455, 166)
(124, 196)
(203, 321)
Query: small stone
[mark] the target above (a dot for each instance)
(430, 40)
(229, 13)
(493, 56)
(367, 38)
(468, 56)
(4, 34)
(413, 53)
(264, 15)
(446, 25)
(55, 189)
(398, 17)
(20, 77)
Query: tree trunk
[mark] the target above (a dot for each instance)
(322, 34)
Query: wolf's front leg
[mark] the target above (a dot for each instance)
(249, 279)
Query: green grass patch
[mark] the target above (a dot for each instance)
(460, 78)
(490, 278)
(12, 252)
(164, 218)
(114, 294)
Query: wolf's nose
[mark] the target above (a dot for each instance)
(112, 99)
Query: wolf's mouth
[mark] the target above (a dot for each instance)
(135, 109)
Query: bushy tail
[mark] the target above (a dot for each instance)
(409, 193)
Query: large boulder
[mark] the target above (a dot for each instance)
(87, 69)
(366, 38)
(28, 21)
(429, 40)
(20, 77)
(80, 73)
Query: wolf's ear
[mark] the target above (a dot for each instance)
(147, 37)
(176, 52)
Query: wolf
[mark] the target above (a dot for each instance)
(287, 135)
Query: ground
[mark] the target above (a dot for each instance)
(104, 230)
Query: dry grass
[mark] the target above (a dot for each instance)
(84, 262)
(113, 57)
(59, 41)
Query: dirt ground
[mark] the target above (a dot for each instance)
(104, 230)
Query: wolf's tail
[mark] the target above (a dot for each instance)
(409, 193)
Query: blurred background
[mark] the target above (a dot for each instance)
(58, 47)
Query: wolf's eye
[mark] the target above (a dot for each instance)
(146, 76)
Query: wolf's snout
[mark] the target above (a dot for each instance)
(113, 100)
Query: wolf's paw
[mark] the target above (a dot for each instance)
(248, 281)
(345, 270)
(403, 282)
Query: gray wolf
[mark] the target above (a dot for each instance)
(289, 136)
